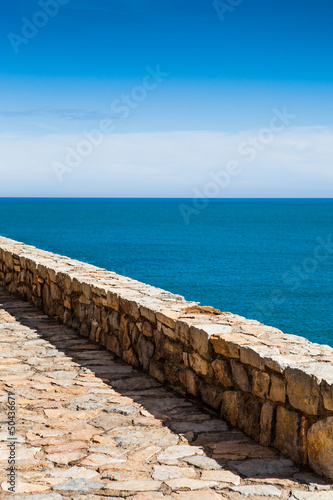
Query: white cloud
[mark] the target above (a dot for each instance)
(295, 163)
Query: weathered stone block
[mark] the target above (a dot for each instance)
(278, 389)
(96, 299)
(255, 354)
(8, 258)
(222, 372)
(66, 282)
(186, 359)
(240, 376)
(200, 365)
(93, 329)
(168, 318)
(123, 325)
(85, 330)
(190, 381)
(134, 333)
(199, 340)
(302, 390)
(130, 307)
(327, 392)
(113, 345)
(23, 263)
(147, 329)
(8, 278)
(146, 350)
(211, 395)
(320, 447)
(249, 417)
(287, 433)
(80, 311)
(113, 320)
(86, 290)
(103, 338)
(169, 350)
(228, 344)
(148, 314)
(182, 330)
(130, 357)
(67, 302)
(32, 266)
(232, 406)
(260, 383)
(112, 300)
(46, 296)
(156, 371)
(84, 300)
(266, 424)
(125, 339)
(171, 372)
(68, 317)
(104, 320)
(168, 332)
(52, 273)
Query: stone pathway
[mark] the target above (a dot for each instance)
(89, 426)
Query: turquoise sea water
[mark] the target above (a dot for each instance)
(270, 260)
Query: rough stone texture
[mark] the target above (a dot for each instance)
(271, 385)
(79, 485)
(258, 490)
(204, 463)
(303, 390)
(278, 389)
(320, 447)
(240, 376)
(266, 424)
(313, 495)
(288, 432)
(266, 467)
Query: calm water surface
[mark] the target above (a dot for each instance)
(263, 259)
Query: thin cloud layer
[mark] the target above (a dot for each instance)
(66, 114)
(296, 163)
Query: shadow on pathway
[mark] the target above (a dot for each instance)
(91, 426)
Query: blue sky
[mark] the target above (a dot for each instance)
(224, 79)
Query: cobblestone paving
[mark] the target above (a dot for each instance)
(89, 426)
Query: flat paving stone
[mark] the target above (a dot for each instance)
(163, 472)
(126, 488)
(198, 495)
(44, 496)
(91, 427)
(122, 409)
(264, 467)
(260, 490)
(79, 485)
(203, 462)
(313, 495)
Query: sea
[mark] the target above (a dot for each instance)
(265, 259)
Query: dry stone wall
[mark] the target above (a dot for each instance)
(277, 388)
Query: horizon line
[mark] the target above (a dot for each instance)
(158, 198)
